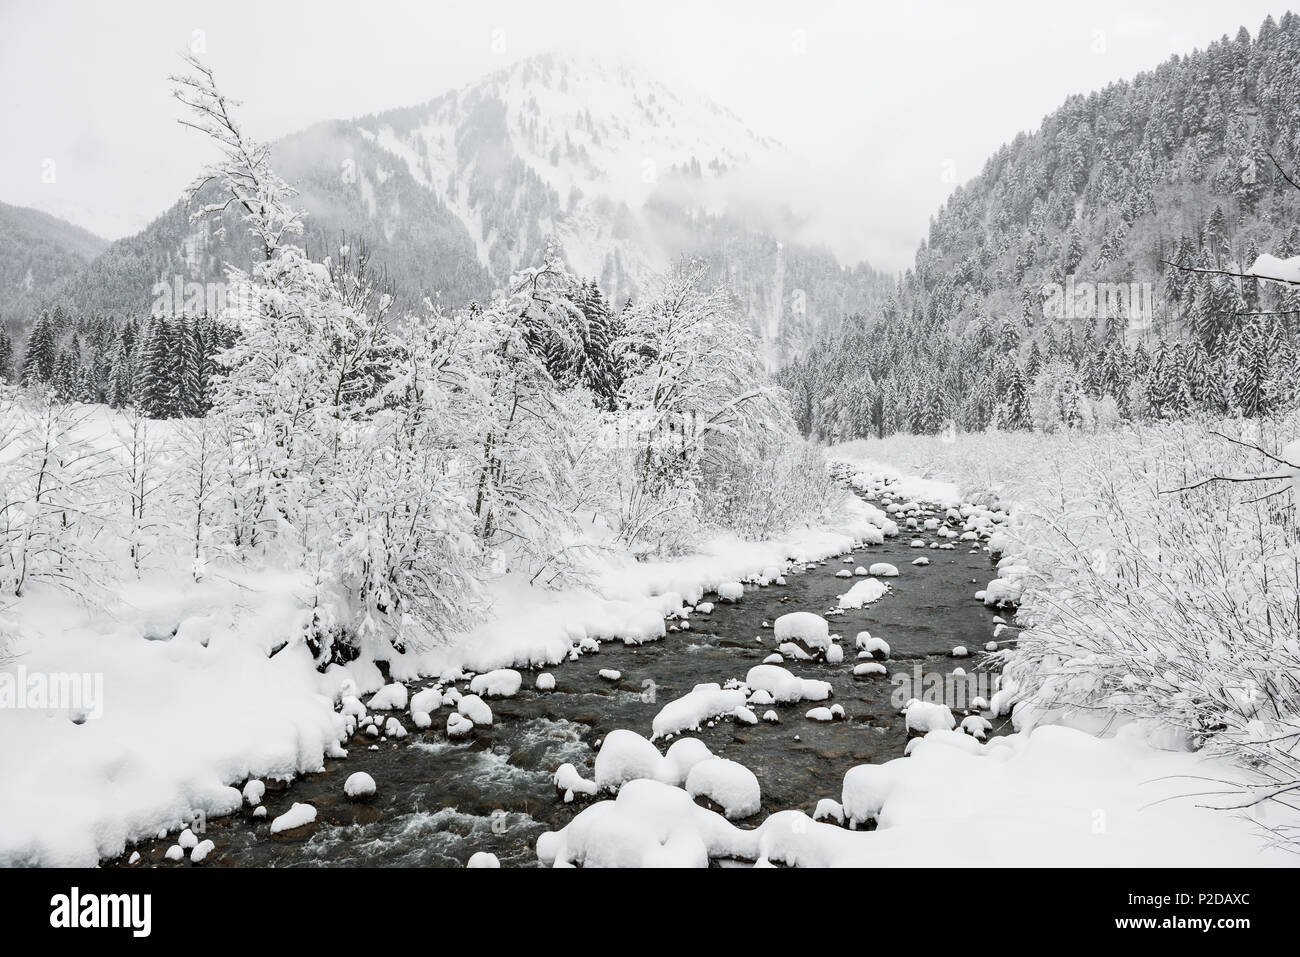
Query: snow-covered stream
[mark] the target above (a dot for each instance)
(438, 800)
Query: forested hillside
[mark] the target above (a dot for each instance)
(1044, 294)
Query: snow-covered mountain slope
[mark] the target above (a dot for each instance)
(577, 148)
(619, 171)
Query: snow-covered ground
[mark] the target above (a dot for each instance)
(185, 719)
(182, 721)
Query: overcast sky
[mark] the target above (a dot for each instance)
(891, 103)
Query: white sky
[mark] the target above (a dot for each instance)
(883, 99)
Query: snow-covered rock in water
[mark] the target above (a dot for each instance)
(883, 570)
(649, 824)
(475, 708)
(917, 543)
(421, 719)
(731, 786)
(175, 853)
(813, 630)
(254, 791)
(201, 851)
(545, 681)
(187, 840)
(625, 756)
(923, 560)
(868, 668)
(458, 726)
(731, 591)
(429, 700)
(863, 593)
(876, 647)
(828, 809)
(744, 716)
(977, 726)
(359, 785)
(866, 787)
(389, 698)
(771, 716)
(297, 816)
(702, 702)
(820, 714)
(567, 778)
(990, 646)
(859, 572)
(834, 654)
(774, 659)
(1008, 589)
(502, 683)
(609, 674)
(705, 608)
(760, 697)
(483, 859)
(926, 716)
(789, 649)
(393, 729)
(960, 652)
(844, 573)
(786, 687)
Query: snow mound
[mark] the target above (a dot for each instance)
(359, 785)
(786, 687)
(926, 716)
(502, 683)
(702, 702)
(731, 786)
(296, 816)
(813, 630)
(863, 593)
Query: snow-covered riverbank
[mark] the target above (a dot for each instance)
(191, 705)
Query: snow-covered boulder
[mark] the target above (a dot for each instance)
(458, 726)
(811, 629)
(876, 647)
(545, 681)
(883, 570)
(502, 683)
(389, 698)
(429, 700)
(731, 591)
(359, 785)
(475, 708)
(625, 756)
(786, 687)
(863, 593)
(731, 786)
(298, 815)
(483, 859)
(702, 702)
(926, 716)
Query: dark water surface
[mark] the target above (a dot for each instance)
(439, 801)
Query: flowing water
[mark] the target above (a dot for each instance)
(440, 800)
